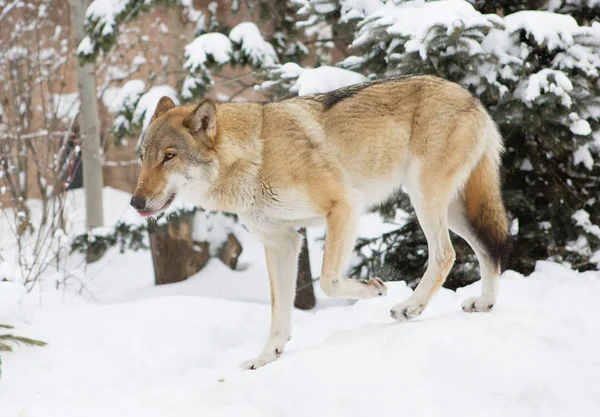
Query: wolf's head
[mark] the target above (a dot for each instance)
(177, 151)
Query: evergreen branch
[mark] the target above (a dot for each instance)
(18, 340)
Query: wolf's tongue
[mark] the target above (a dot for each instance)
(145, 213)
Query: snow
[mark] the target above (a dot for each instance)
(324, 79)
(583, 156)
(7, 273)
(104, 12)
(352, 9)
(260, 52)
(138, 60)
(554, 5)
(550, 29)
(582, 219)
(290, 70)
(215, 45)
(174, 350)
(581, 127)
(349, 9)
(213, 228)
(85, 47)
(318, 80)
(66, 106)
(526, 165)
(414, 20)
(543, 82)
(193, 14)
(14, 53)
(11, 294)
(581, 57)
(576, 45)
(146, 105)
(305, 81)
(124, 98)
(352, 61)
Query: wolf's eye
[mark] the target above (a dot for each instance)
(169, 155)
(141, 158)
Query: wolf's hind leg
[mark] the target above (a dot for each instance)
(342, 225)
(490, 271)
(431, 206)
(282, 248)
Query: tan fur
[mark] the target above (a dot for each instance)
(328, 158)
(483, 201)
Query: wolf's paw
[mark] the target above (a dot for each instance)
(264, 358)
(407, 310)
(353, 288)
(478, 304)
(271, 351)
(261, 361)
(377, 287)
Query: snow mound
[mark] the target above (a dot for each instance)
(534, 355)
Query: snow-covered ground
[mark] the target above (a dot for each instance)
(127, 348)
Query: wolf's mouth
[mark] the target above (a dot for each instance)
(146, 213)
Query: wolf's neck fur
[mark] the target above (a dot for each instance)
(239, 147)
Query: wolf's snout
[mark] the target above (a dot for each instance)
(138, 202)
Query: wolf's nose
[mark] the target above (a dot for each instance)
(138, 203)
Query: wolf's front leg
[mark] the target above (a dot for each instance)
(342, 225)
(282, 249)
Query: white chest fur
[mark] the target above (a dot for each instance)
(290, 207)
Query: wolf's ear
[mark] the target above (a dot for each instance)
(203, 119)
(164, 104)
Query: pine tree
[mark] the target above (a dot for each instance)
(537, 73)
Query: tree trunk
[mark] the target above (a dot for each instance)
(90, 138)
(174, 254)
(305, 293)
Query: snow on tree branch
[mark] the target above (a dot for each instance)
(253, 46)
(103, 18)
(303, 81)
(215, 46)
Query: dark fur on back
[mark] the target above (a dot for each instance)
(330, 99)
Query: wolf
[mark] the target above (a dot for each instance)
(327, 158)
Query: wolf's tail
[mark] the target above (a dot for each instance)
(483, 201)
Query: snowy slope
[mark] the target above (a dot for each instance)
(124, 347)
(535, 355)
